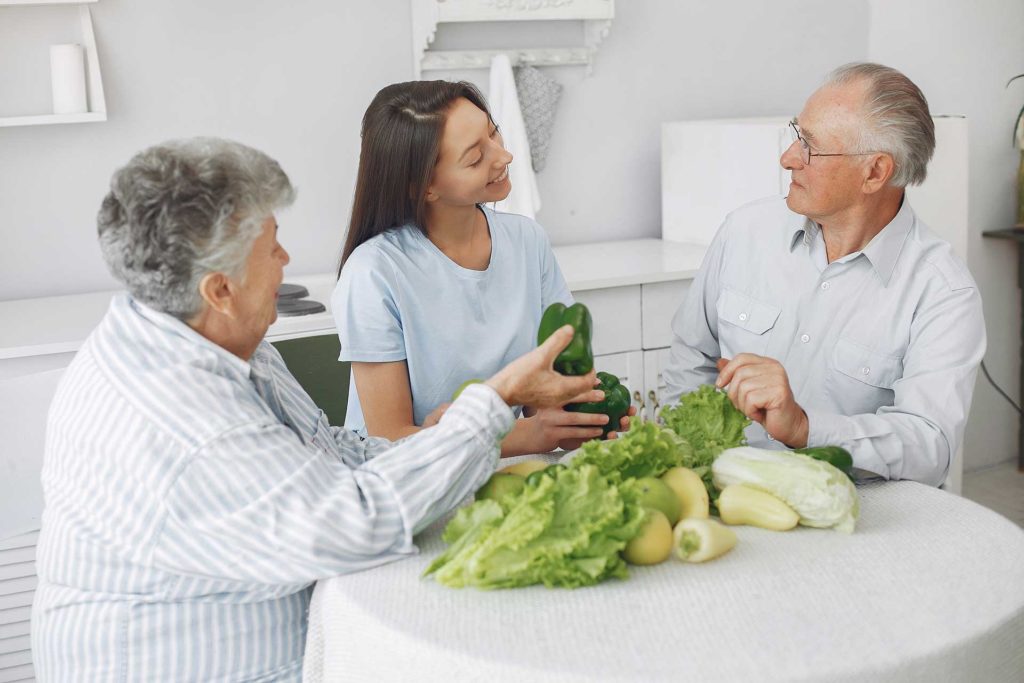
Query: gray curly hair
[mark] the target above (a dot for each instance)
(183, 209)
(897, 116)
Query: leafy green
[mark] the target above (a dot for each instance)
(707, 419)
(646, 450)
(564, 530)
(820, 493)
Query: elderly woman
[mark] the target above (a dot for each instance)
(193, 490)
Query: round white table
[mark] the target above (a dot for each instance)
(930, 587)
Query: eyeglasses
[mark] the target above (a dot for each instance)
(794, 129)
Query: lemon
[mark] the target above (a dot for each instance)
(654, 542)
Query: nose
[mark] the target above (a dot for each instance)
(792, 158)
(504, 157)
(285, 258)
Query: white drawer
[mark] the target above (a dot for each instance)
(616, 314)
(661, 300)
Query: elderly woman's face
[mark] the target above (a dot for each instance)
(264, 271)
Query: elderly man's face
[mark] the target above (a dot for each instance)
(830, 123)
(257, 305)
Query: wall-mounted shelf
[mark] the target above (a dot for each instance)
(596, 16)
(93, 77)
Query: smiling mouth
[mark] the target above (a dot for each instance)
(501, 176)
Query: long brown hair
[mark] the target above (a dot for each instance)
(401, 140)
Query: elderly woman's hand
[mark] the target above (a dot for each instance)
(531, 380)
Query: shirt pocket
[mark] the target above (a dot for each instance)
(866, 365)
(863, 377)
(747, 323)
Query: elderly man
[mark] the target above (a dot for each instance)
(193, 490)
(835, 316)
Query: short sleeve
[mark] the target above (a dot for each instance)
(365, 309)
(553, 285)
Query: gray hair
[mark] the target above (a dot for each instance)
(183, 209)
(897, 116)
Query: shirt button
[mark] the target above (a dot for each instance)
(825, 285)
(865, 370)
(743, 317)
(804, 338)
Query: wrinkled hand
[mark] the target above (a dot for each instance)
(435, 415)
(531, 380)
(759, 387)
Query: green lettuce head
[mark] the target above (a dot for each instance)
(565, 530)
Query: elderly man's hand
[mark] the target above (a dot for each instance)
(759, 387)
(531, 380)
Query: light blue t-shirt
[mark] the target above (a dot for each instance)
(400, 298)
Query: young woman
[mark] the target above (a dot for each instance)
(434, 288)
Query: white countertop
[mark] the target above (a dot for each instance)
(33, 327)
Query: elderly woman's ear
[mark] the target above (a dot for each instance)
(218, 292)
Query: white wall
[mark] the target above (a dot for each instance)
(294, 79)
(961, 54)
(291, 78)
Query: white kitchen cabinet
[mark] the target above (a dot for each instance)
(616, 315)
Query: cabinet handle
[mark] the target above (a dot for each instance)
(653, 398)
(639, 400)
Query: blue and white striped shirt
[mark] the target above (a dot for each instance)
(192, 498)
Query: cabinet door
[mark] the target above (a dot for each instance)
(314, 363)
(660, 301)
(629, 368)
(654, 386)
(616, 314)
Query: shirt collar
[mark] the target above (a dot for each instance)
(884, 248)
(173, 326)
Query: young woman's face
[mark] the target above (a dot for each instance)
(472, 167)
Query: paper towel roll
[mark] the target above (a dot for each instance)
(67, 77)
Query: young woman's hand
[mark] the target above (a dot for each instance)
(530, 380)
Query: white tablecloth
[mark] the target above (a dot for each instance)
(929, 588)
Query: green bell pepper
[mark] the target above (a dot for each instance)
(615, 404)
(838, 457)
(578, 357)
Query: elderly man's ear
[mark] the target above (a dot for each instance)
(219, 293)
(878, 172)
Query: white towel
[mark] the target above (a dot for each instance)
(524, 198)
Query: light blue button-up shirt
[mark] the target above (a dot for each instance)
(881, 347)
(192, 498)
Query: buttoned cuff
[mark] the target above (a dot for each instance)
(833, 429)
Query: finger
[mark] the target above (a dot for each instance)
(726, 373)
(564, 433)
(584, 419)
(555, 344)
(721, 363)
(624, 424)
(570, 387)
(592, 396)
(632, 411)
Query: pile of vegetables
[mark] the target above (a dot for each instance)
(641, 497)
